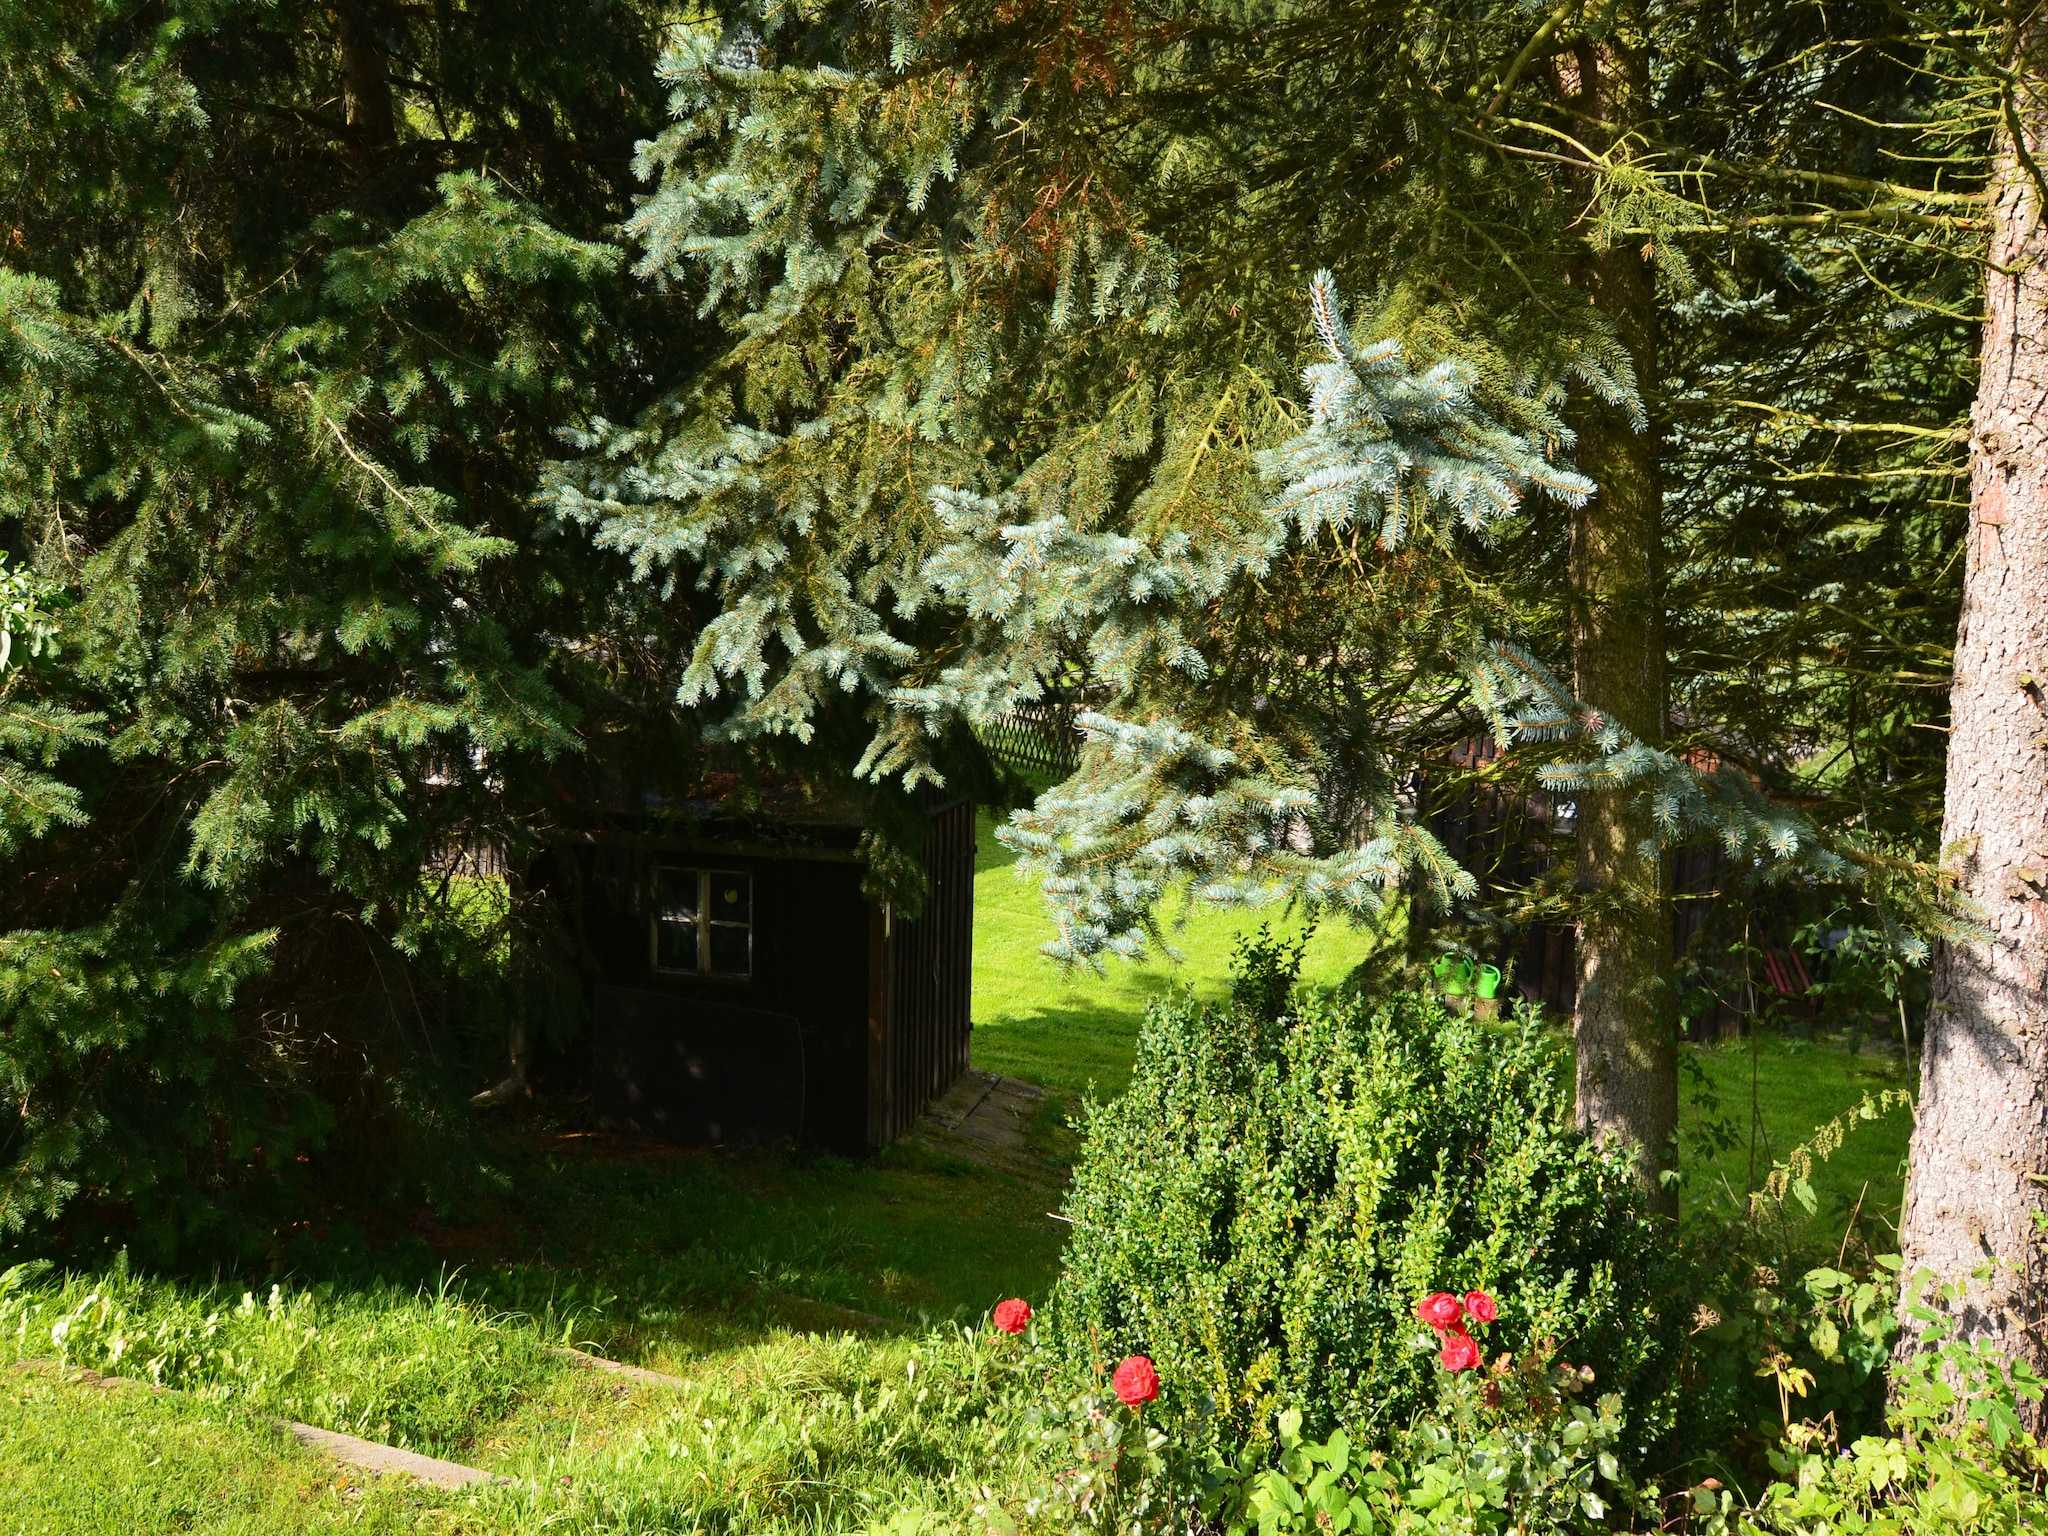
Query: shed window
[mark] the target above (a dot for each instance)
(704, 922)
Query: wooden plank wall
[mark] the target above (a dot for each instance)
(929, 991)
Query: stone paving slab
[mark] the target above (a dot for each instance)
(986, 1119)
(369, 1456)
(637, 1374)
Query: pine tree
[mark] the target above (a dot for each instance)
(292, 297)
(1042, 262)
(918, 302)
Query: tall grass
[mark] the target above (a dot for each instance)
(76, 1461)
(420, 1370)
(794, 1434)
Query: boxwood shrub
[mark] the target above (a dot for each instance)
(1287, 1176)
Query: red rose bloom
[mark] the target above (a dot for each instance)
(1459, 1352)
(1441, 1311)
(1135, 1381)
(1014, 1315)
(1481, 1306)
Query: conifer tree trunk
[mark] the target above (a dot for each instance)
(366, 80)
(1980, 1140)
(1624, 1036)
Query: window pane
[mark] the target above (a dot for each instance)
(675, 920)
(731, 950)
(678, 892)
(731, 900)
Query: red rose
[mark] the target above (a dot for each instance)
(1459, 1352)
(1441, 1311)
(1014, 1315)
(1481, 1306)
(1135, 1381)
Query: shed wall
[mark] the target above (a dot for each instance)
(927, 993)
(882, 1005)
(810, 962)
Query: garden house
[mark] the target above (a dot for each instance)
(743, 988)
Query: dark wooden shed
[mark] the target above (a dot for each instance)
(743, 988)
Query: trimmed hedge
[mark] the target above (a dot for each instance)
(1287, 1177)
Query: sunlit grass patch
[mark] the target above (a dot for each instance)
(1771, 1094)
(76, 1458)
(1067, 1030)
(794, 1433)
(419, 1370)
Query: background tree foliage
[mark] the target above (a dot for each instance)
(957, 354)
(292, 299)
(1016, 299)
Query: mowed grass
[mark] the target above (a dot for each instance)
(1073, 1028)
(1772, 1094)
(79, 1458)
(820, 1312)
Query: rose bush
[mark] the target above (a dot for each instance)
(1441, 1310)
(1456, 1350)
(1458, 1353)
(1135, 1382)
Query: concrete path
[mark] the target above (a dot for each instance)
(987, 1119)
(637, 1374)
(369, 1456)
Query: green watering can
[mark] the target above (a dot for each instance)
(1454, 975)
(1489, 982)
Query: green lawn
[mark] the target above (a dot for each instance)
(1795, 1086)
(807, 1300)
(1070, 1029)
(76, 1458)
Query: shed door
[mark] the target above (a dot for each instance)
(693, 1072)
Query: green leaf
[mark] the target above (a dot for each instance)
(1337, 1454)
(1827, 1339)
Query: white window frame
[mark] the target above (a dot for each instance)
(704, 923)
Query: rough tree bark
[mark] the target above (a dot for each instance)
(1979, 1166)
(366, 80)
(1624, 1032)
